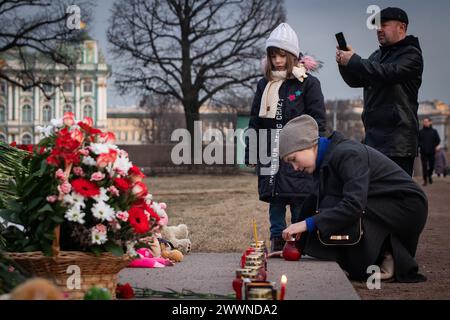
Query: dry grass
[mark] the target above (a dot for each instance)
(217, 209)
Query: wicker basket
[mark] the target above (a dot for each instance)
(99, 271)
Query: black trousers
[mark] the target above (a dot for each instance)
(406, 163)
(427, 165)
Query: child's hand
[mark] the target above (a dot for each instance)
(295, 229)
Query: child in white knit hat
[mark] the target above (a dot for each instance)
(286, 91)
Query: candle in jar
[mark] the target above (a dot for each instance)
(283, 287)
(255, 233)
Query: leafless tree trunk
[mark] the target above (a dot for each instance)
(34, 34)
(190, 50)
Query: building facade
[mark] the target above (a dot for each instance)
(82, 91)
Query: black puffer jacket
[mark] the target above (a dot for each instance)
(296, 98)
(391, 78)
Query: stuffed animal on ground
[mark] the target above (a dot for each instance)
(171, 254)
(178, 236)
(146, 260)
(36, 289)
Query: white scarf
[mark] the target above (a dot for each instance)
(269, 99)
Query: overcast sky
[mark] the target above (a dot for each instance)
(316, 22)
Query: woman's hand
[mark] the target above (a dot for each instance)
(295, 229)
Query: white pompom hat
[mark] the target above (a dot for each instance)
(284, 37)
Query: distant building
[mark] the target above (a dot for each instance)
(137, 125)
(82, 92)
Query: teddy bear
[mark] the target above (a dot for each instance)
(178, 237)
(171, 254)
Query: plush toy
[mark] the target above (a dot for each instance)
(36, 289)
(171, 254)
(178, 236)
(146, 260)
(153, 244)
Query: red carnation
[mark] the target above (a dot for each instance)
(143, 205)
(124, 291)
(138, 220)
(85, 187)
(89, 129)
(135, 174)
(122, 184)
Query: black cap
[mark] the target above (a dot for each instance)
(392, 13)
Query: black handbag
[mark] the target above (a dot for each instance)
(348, 236)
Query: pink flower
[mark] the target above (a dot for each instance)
(139, 189)
(122, 215)
(113, 190)
(65, 187)
(52, 199)
(291, 97)
(68, 119)
(107, 137)
(106, 158)
(84, 152)
(78, 171)
(59, 174)
(77, 135)
(88, 121)
(97, 176)
(100, 228)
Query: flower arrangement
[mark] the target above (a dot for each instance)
(78, 180)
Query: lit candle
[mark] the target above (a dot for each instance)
(283, 287)
(255, 233)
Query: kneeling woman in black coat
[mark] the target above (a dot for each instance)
(365, 211)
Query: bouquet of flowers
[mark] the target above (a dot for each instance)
(80, 182)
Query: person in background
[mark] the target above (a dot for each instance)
(428, 142)
(440, 166)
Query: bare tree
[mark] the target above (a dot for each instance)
(161, 118)
(35, 35)
(190, 50)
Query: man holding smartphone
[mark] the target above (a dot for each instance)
(391, 78)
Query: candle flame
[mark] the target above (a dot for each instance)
(283, 279)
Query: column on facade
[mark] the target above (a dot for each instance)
(37, 105)
(10, 102)
(58, 111)
(101, 102)
(17, 107)
(77, 100)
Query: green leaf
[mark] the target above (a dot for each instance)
(46, 208)
(49, 236)
(58, 219)
(33, 203)
(14, 206)
(96, 250)
(114, 248)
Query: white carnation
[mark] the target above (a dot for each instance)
(74, 214)
(89, 161)
(102, 211)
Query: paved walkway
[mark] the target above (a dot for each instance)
(214, 272)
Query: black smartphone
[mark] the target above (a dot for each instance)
(341, 41)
